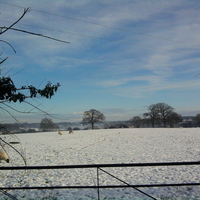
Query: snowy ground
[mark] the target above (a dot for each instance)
(106, 146)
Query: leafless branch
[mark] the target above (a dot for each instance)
(40, 35)
(7, 28)
(197, 75)
(3, 60)
(26, 112)
(42, 111)
(9, 111)
(8, 44)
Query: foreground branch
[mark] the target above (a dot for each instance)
(7, 28)
(40, 35)
(8, 44)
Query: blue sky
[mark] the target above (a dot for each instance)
(122, 57)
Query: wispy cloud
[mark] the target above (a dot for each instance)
(150, 89)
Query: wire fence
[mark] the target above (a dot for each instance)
(100, 167)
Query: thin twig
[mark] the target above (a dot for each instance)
(9, 112)
(3, 60)
(38, 34)
(7, 28)
(8, 44)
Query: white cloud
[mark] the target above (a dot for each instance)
(78, 113)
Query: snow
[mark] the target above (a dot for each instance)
(105, 146)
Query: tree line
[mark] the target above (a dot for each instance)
(158, 115)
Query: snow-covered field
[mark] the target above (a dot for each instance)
(103, 147)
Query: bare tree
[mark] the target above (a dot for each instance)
(173, 119)
(197, 119)
(164, 111)
(162, 114)
(136, 121)
(93, 116)
(47, 124)
(152, 115)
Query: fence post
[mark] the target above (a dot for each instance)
(98, 184)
